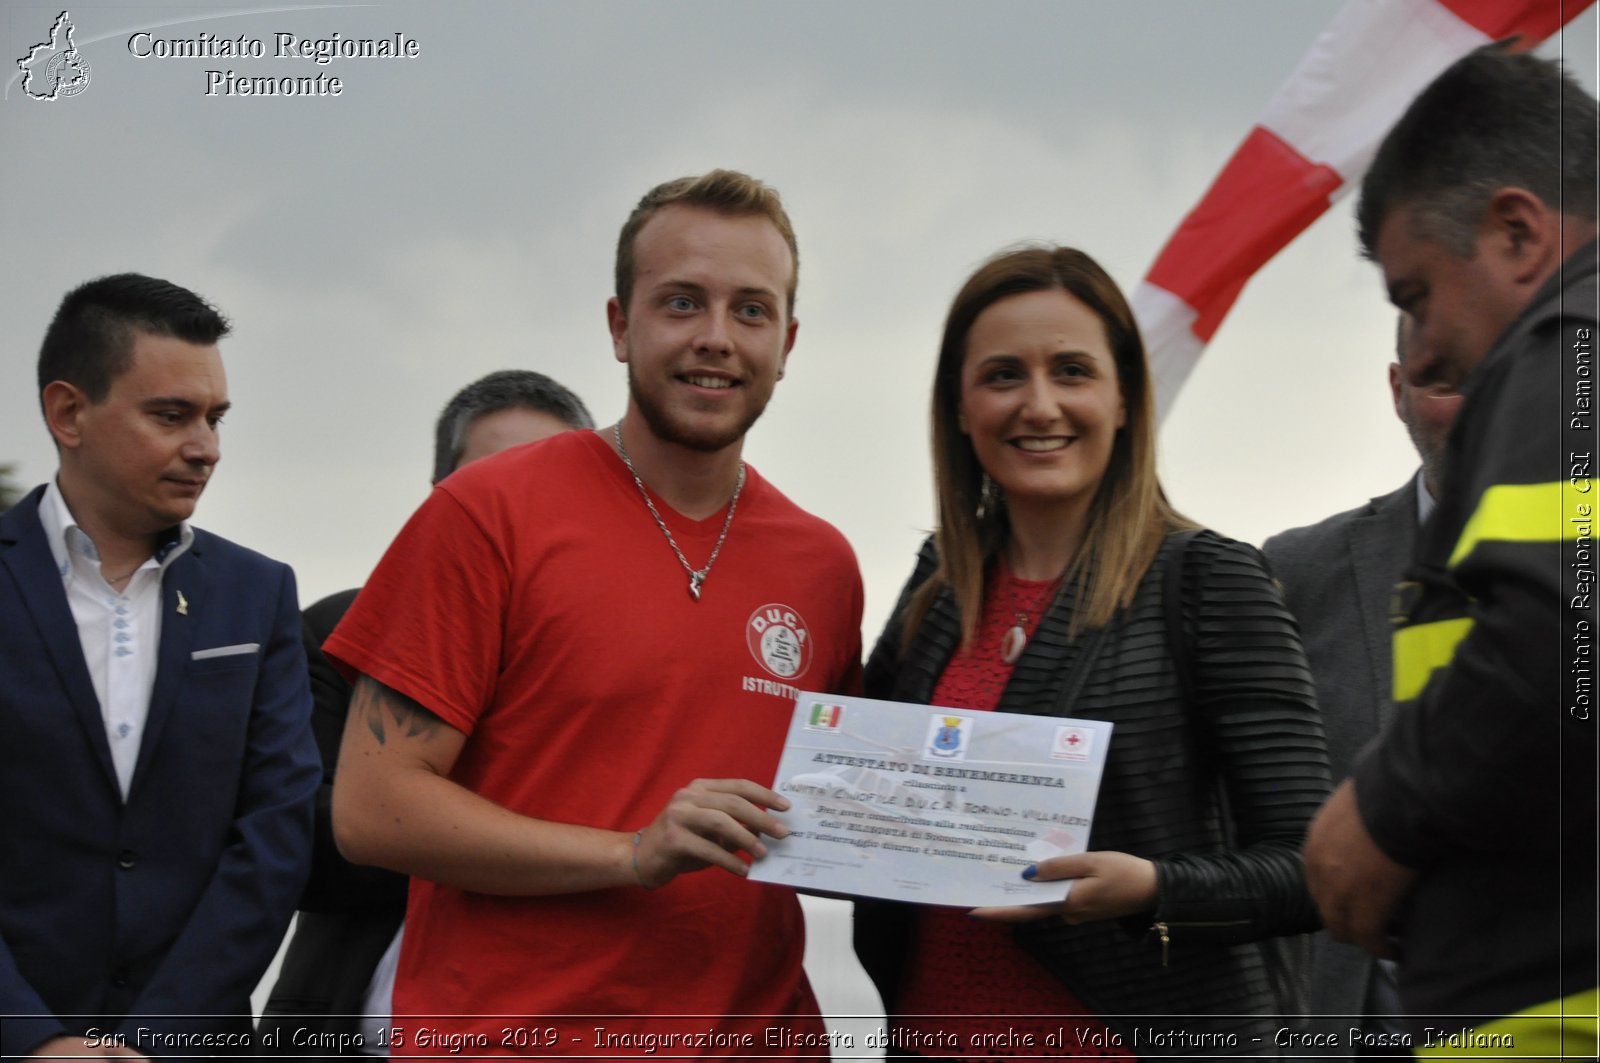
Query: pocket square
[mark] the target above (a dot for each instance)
(225, 651)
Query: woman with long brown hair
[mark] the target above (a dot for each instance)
(1044, 590)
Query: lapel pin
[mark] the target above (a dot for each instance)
(183, 605)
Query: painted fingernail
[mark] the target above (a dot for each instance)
(1030, 871)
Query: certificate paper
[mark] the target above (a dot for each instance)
(933, 805)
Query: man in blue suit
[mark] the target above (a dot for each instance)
(157, 766)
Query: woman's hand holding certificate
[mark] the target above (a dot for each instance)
(1104, 886)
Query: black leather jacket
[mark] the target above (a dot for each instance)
(1245, 761)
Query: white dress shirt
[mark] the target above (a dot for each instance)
(377, 1009)
(1425, 501)
(120, 632)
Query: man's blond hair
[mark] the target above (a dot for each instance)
(724, 191)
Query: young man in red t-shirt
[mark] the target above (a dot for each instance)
(560, 718)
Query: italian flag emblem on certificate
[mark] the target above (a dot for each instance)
(825, 717)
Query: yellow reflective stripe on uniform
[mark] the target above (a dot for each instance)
(1521, 513)
(1561, 1029)
(1420, 649)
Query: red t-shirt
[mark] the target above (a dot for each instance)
(533, 604)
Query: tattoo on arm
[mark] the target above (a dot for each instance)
(384, 708)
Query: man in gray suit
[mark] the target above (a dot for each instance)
(1337, 576)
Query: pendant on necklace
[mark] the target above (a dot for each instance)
(1012, 643)
(695, 579)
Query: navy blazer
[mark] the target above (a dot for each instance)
(117, 917)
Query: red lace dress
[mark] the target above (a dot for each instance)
(966, 977)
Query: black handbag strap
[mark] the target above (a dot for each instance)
(1068, 695)
(1182, 649)
(1172, 603)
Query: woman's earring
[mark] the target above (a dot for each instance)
(986, 497)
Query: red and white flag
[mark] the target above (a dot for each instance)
(1313, 144)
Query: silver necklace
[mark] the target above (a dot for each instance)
(697, 576)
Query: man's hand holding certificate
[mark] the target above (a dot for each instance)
(933, 805)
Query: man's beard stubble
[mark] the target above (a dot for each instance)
(665, 428)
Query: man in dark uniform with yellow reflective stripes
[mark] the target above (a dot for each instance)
(1464, 843)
